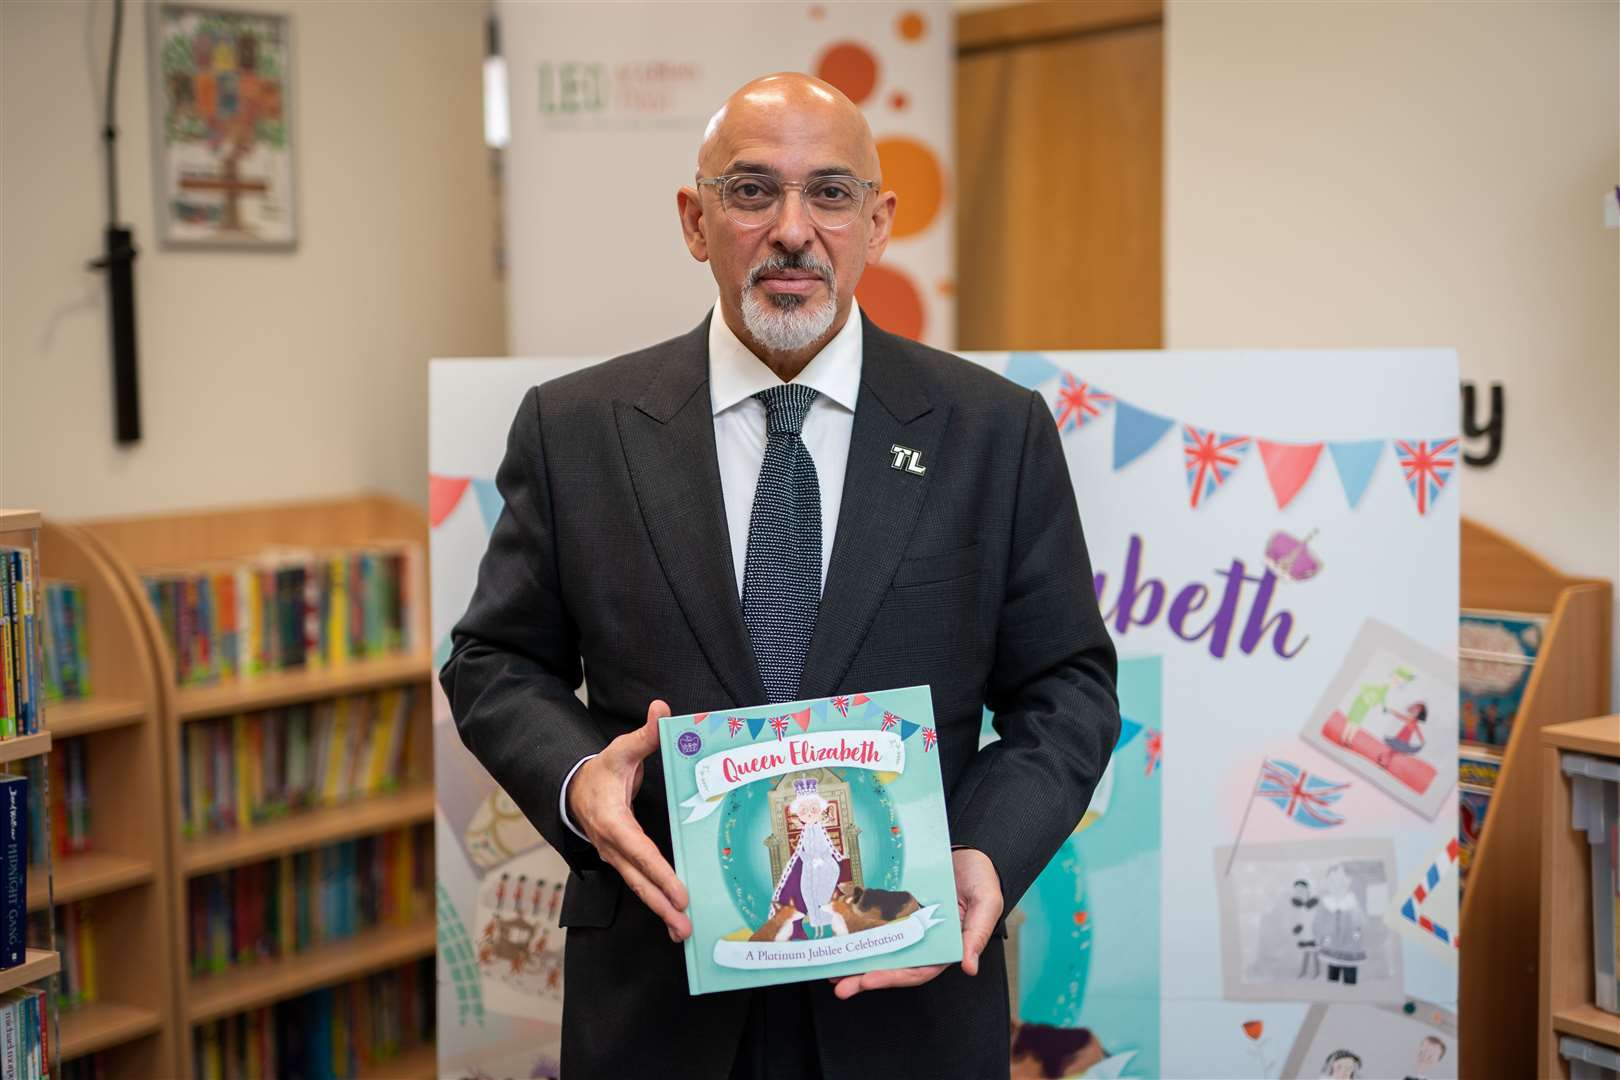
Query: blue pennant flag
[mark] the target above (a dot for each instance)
(755, 726)
(1355, 462)
(489, 502)
(1029, 369)
(1136, 431)
(1128, 730)
(907, 729)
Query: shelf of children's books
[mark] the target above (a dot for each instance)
(69, 718)
(79, 877)
(24, 746)
(253, 985)
(102, 1024)
(39, 964)
(308, 829)
(308, 684)
(418, 1063)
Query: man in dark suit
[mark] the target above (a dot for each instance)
(784, 503)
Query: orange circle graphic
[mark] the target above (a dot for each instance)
(911, 25)
(892, 301)
(914, 172)
(899, 100)
(851, 67)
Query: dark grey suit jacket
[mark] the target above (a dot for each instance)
(611, 563)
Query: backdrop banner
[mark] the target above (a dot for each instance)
(608, 103)
(1265, 884)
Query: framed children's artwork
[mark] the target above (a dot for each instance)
(221, 128)
(1390, 714)
(1309, 921)
(1414, 1040)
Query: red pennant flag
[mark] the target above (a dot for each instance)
(802, 719)
(444, 492)
(861, 699)
(697, 718)
(1288, 466)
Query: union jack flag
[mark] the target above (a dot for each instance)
(1155, 750)
(889, 720)
(1427, 465)
(1078, 403)
(929, 738)
(842, 705)
(1300, 795)
(1211, 457)
(735, 723)
(779, 725)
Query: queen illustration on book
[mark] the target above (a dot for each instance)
(815, 869)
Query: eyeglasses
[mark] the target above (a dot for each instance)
(754, 199)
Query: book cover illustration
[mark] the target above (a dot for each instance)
(1496, 651)
(811, 836)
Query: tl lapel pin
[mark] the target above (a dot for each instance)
(907, 460)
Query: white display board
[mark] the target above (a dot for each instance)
(1273, 537)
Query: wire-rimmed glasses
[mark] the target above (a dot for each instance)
(755, 199)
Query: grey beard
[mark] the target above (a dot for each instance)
(781, 323)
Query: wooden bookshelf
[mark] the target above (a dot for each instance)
(417, 1063)
(104, 1025)
(313, 828)
(70, 718)
(21, 529)
(24, 746)
(255, 985)
(1502, 904)
(1566, 985)
(125, 874)
(135, 545)
(39, 964)
(81, 877)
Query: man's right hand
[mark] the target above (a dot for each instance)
(599, 803)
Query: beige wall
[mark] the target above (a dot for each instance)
(263, 376)
(1349, 174)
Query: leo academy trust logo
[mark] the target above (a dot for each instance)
(596, 94)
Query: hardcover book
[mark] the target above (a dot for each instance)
(811, 837)
(14, 858)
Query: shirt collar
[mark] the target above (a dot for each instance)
(736, 374)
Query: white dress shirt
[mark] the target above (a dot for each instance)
(735, 375)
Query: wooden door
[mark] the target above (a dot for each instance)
(1059, 162)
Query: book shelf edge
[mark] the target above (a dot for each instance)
(262, 984)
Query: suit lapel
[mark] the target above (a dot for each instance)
(880, 504)
(668, 439)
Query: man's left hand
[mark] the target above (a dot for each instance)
(978, 901)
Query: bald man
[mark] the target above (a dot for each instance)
(786, 502)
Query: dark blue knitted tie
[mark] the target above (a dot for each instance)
(782, 575)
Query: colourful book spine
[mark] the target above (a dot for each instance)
(87, 952)
(14, 861)
(25, 589)
(8, 721)
(243, 768)
(338, 607)
(78, 795)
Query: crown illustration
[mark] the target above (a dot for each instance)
(805, 785)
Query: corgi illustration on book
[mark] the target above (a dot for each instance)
(783, 925)
(853, 909)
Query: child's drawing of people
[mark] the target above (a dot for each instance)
(1342, 1065)
(1304, 930)
(1339, 926)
